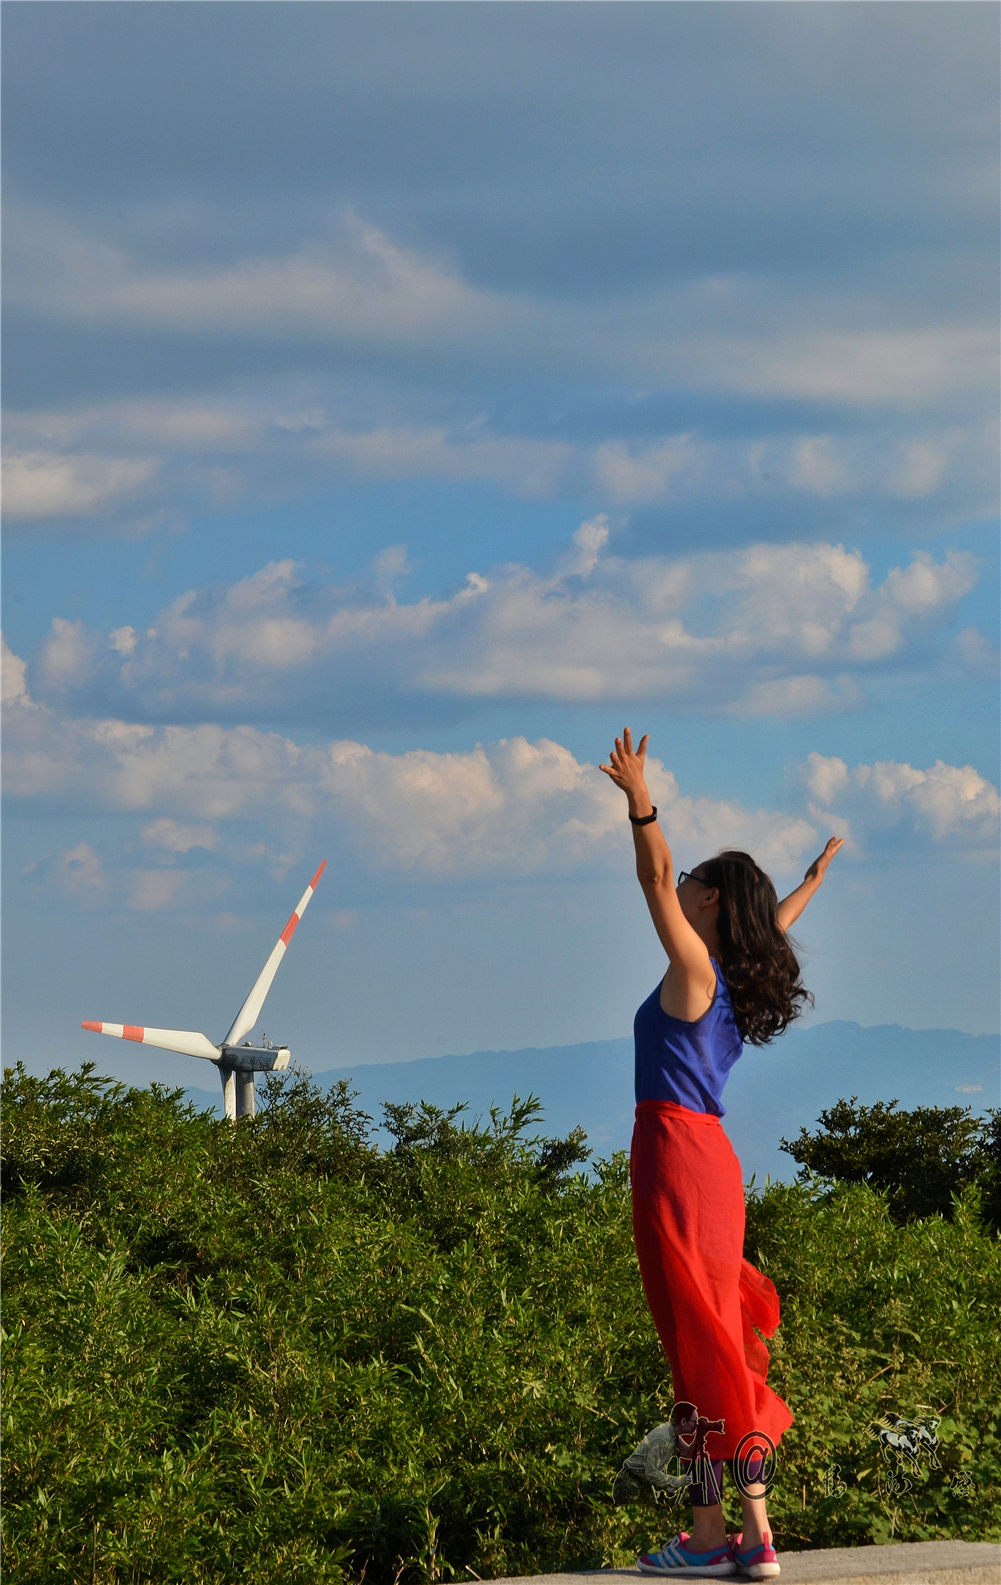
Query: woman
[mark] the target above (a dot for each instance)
(732, 977)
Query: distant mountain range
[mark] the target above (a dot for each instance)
(772, 1092)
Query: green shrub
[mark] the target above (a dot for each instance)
(881, 1319)
(921, 1158)
(274, 1352)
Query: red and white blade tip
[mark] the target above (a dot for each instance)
(290, 928)
(123, 1031)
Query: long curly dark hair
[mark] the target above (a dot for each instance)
(759, 965)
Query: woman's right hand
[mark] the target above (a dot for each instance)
(627, 769)
(690, 983)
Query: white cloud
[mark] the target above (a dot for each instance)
(526, 466)
(100, 764)
(200, 425)
(124, 640)
(39, 484)
(77, 463)
(817, 469)
(802, 341)
(510, 809)
(69, 653)
(14, 688)
(910, 594)
(974, 654)
(924, 585)
(899, 367)
(154, 890)
(827, 776)
(686, 466)
(175, 838)
(586, 546)
(786, 630)
(79, 872)
(944, 801)
(920, 468)
(516, 808)
(362, 285)
(647, 472)
(94, 460)
(795, 696)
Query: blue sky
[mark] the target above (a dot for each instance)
(399, 398)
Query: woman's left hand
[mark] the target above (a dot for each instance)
(628, 765)
(818, 868)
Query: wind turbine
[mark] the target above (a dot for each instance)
(237, 1064)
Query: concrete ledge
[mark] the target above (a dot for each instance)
(909, 1563)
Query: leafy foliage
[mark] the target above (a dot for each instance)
(273, 1352)
(921, 1158)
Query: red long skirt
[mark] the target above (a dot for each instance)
(705, 1299)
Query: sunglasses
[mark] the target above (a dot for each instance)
(686, 875)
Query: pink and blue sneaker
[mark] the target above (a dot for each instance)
(758, 1561)
(675, 1558)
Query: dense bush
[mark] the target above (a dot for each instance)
(923, 1158)
(273, 1352)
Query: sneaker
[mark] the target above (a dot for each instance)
(758, 1561)
(675, 1558)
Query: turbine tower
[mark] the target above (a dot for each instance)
(237, 1063)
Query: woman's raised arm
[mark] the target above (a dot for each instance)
(654, 864)
(792, 906)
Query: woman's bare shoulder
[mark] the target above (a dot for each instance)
(688, 994)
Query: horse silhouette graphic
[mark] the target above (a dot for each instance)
(908, 1441)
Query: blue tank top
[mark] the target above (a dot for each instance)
(683, 1062)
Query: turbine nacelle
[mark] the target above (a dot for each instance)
(255, 1059)
(237, 1063)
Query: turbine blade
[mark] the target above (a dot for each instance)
(249, 1013)
(188, 1041)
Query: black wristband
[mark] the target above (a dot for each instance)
(644, 820)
